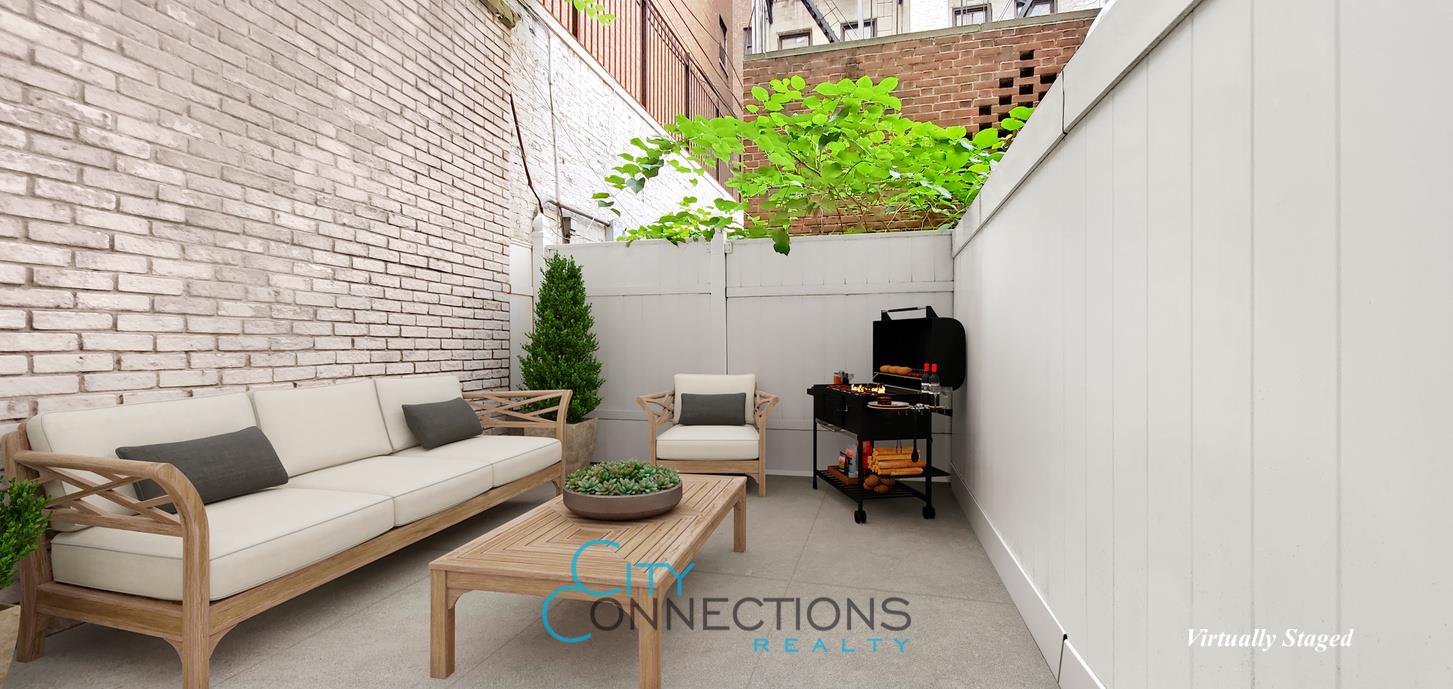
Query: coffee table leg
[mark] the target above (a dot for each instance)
(441, 627)
(648, 640)
(739, 523)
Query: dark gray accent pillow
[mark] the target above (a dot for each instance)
(219, 466)
(713, 410)
(441, 423)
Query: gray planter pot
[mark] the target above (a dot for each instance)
(579, 443)
(622, 507)
(9, 631)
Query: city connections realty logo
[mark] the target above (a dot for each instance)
(802, 625)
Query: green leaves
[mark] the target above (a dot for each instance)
(840, 149)
(560, 350)
(594, 9)
(630, 477)
(22, 521)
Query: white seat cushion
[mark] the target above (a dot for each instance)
(316, 428)
(98, 432)
(512, 456)
(419, 486)
(254, 539)
(707, 442)
(394, 393)
(716, 384)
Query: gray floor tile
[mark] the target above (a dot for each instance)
(370, 628)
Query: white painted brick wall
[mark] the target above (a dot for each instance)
(198, 196)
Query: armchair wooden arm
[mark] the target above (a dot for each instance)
(520, 409)
(761, 407)
(660, 408)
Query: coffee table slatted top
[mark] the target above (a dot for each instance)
(540, 544)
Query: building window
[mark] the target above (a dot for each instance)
(796, 39)
(970, 15)
(1034, 8)
(747, 41)
(853, 32)
(721, 48)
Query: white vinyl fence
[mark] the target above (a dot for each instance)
(1210, 327)
(739, 307)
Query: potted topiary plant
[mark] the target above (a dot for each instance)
(22, 522)
(560, 355)
(622, 490)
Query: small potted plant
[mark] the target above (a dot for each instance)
(560, 355)
(618, 491)
(22, 522)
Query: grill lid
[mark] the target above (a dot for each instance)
(913, 341)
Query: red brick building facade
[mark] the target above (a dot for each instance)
(969, 76)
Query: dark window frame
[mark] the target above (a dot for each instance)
(1024, 7)
(965, 10)
(784, 37)
(853, 26)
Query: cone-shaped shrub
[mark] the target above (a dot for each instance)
(560, 353)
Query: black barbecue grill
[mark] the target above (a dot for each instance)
(898, 343)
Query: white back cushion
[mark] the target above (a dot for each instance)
(716, 384)
(394, 393)
(98, 432)
(316, 428)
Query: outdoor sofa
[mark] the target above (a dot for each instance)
(358, 488)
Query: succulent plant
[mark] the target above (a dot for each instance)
(630, 477)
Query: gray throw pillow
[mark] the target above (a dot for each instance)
(441, 423)
(713, 410)
(219, 466)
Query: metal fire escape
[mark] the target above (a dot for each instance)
(822, 22)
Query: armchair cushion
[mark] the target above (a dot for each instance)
(253, 539)
(419, 486)
(712, 410)
(707, 442)
(441, 423)
(219, 466)
(715, 384)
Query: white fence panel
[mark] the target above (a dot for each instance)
(742, 308)
(1245, 422)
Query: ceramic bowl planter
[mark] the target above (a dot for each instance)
(618, 491)
(622, 507)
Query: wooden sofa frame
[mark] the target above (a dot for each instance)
(660, 407)
(195, 624)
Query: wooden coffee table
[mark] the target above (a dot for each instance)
(532, 554)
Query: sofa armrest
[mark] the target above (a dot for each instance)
(762, 407)
(522, 409)
(109, 475)
(101, 477)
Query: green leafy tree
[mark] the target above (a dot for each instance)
(560, 354)
(594, 9)
(841, 150)
(22, 521)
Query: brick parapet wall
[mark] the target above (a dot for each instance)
(200, 196)
(968, 76)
